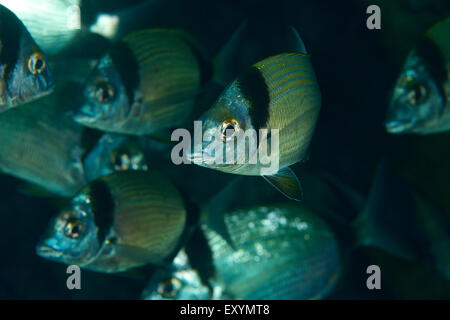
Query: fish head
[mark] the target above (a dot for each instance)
(114, 153)
(227, 120)
(105, 97)
(416, 103)
(24, 72)
(25, 78)
(71, 236)
(177, 282)
(180, 285)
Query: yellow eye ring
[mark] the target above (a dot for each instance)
(104, 92)
(74, 228)
(120, 161)
(36, 63)
(417, 94)
(229, 129)
(170, 288)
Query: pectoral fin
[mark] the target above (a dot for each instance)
(287, 183)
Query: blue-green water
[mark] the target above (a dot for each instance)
(356, 69)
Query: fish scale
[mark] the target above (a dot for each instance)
(42, 151)
(131, 218)
(282, 251)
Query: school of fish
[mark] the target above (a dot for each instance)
(97, 134)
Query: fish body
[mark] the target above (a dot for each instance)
(420, 103)
(53, 24)
(281, 251)
(114, 152)
(24, 71)
(279, 92)
(118, 222)
(42, 145)
(147, 83)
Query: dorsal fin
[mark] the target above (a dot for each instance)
(253, 41)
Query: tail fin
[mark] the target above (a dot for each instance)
(388, 220)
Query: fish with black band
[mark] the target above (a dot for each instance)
(121, 221)
(24, 71)
(279, 92)
(282, 251)
(420, 102)
(146, 83)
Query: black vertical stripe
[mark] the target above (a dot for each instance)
(102, 207)
(127, 66)
(11, 33)
(253, 87)
(435, 63)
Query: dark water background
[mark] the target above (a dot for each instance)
(356, 69)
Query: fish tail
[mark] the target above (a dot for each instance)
(382, 221)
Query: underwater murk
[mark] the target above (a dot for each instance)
(170, 149)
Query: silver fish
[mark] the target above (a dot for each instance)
(178, 282)
(42, 145)
(53, 24)
(114, 152)
(24, 71)
(277, 93)
(117, 222)
(146, 83)
(420, 102)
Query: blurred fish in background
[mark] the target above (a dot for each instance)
(24, 72)
(421, 97)
(179, 281)
(117, 222)
(88, 174)
(52, 23)
(281, 251)
(112, 153)
(146, 83)
(42, 145)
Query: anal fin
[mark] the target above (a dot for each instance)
(287, 183)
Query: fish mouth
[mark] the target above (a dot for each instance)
(85, 114)
(48, 252)
(399, 126)
(196, 157)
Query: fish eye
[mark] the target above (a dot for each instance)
(104, 92)
(229, 128)
(169, 288)
(74, 228)
(36, 63)
(416, 94)
(120, 161)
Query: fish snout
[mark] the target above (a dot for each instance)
(48, 252)
(398, 126)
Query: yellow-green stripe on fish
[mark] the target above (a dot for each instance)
(282, 251)
(279, 92)
(117, 222)
(147, 82)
